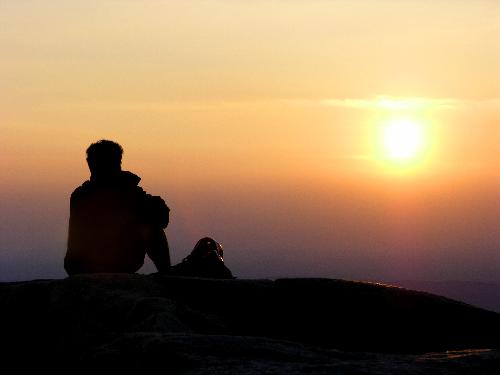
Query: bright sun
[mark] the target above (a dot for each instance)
(403, 140)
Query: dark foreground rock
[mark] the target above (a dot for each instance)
(131, 323)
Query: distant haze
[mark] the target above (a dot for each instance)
(259, 123)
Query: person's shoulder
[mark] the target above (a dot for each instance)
(81, 190)
(130, 182)
(129, 178)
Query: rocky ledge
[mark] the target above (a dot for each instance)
(130, 323)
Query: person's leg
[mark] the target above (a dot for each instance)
(157, 248)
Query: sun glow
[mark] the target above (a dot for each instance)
(403, 140)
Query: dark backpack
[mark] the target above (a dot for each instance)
(206, 260)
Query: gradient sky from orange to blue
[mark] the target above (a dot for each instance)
(259, 122)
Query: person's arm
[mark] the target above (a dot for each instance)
(158, 250)
(156, 217)
(153, 209)
(158, 211)
(69, 261)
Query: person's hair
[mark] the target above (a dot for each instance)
(104, 155)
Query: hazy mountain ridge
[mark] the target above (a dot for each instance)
(482, 294)
(130, 323)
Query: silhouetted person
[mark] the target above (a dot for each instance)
(114, 222)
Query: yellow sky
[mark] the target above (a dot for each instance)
(237, 95)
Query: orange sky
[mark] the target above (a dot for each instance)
(260, 124)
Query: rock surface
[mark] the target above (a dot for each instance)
(131, 323)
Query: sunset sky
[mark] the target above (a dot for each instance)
(356, 139)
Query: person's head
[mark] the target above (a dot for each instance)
(104, 157)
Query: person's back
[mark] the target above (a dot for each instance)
(113, 222)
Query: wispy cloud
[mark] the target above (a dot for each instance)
(393, 103)
(384, 102)
(357, 157)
